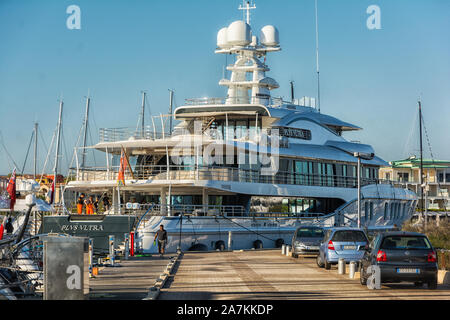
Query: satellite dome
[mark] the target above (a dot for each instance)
(269, 36)
(239, 34)
(222, 41)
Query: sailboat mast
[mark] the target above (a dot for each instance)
(317, 58)
(85, 125)
(143, 115)
(170, 111)
(35, 149)
(58, 139)
(421, 159)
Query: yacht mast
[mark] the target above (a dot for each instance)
(143, 115)
(247, 8)
(35, 148)
(170, 111)
(421, 161)
(317, 58)
(58, 136)
(85, 125)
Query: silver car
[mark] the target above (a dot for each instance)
(306, 240)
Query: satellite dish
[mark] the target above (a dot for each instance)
(239, 34)
(222, 41)
(269, 36)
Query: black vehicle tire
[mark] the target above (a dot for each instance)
(294, 255)
(279, 243)
(432, 285)
(257, 244)
(327, 264)
(362, 278)
(418, 284)
(220, 245)
(319, 261)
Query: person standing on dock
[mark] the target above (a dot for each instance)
(161, 234)
(80, 203)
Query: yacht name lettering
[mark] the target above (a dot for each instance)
(295, 133)
(268, 224)
(82, 227)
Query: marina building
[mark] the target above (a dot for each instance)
(406, 173)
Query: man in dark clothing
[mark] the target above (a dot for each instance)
(161, 234)
(106, 204)
(8, 226)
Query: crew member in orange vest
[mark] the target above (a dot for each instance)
(90, 206)
(80, 203)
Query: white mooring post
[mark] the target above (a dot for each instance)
(111, 250)
(230, 240)
(351, 273)
(341, 266)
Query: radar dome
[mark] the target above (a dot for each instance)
(222, 41)
(239, 34)
(269, 36)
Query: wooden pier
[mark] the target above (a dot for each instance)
(266, 274)
(246, 275)
(131, 280)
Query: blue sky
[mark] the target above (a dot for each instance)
(371, 78)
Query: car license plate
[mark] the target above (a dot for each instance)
(408, 270)
(349, 247)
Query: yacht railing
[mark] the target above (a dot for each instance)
(122, 134)
(275, 101)
(220, 174)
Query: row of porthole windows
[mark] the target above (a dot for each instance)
(392, 210)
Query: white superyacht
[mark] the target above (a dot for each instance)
(238, 172)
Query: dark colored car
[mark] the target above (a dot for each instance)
(402, 257)
(306, 240)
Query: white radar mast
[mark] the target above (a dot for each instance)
(247, 8)
(248, 72)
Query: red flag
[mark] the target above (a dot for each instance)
(124, 163)
(12, 190)
(121, 176)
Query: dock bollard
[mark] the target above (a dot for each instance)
(341, 266)
(283, 249)
(111, 250)
(288, 250)
(127, 246)
(352, 270)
